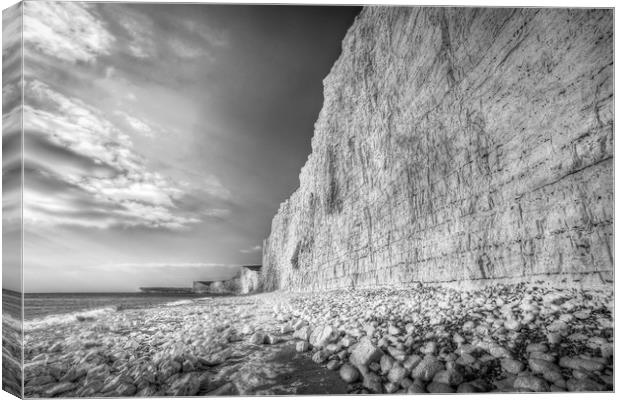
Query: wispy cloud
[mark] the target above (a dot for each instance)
(101, 180)
(140, 30)
(124, 192)
(151, 265)
(213, 37)
(213, 187)
(65, 30)
(185, 49)
(253, 249)
(137, 124)
(195, 40)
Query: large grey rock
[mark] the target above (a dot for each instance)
(438, 387)
(426, 369)
(466, 388)
(511, 366)
(349, 373)
(550, 371)
(186, 385)
(411, 362)
(59, 388)
(530, 383)
(449, 377)
(302, 346)
(416, 388)
(364, 352)
(228, 389)
(499, 352)
(537, 347)
(394, 330)
(584, 385)
(397, 373)
(474, 386)
(322, 336)
(386, 363)
(578, 363)
(372, 382)
(271, 339)
(391, 387)
(258, 338)
(320, 356)
(542, 356)
(333, 365)
(512, 325)
(303, 333)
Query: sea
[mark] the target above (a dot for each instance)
(42, 305)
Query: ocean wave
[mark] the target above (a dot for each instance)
(71, 317)
(179, 303)
(93, 314)
(12, 322)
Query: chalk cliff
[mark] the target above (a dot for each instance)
(249, 279)
(457, 144)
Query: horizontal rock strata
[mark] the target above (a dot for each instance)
(457, 144)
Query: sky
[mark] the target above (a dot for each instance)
(160, 139)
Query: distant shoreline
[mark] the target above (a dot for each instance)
(42, 305)
(120, 293)
(15, 293)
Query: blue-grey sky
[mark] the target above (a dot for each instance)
(161, 139)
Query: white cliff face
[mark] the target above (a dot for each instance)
(457, 145)
(249, 280)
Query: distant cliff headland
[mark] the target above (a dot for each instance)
(468, 145)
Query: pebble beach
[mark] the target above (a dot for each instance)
(423, 339)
